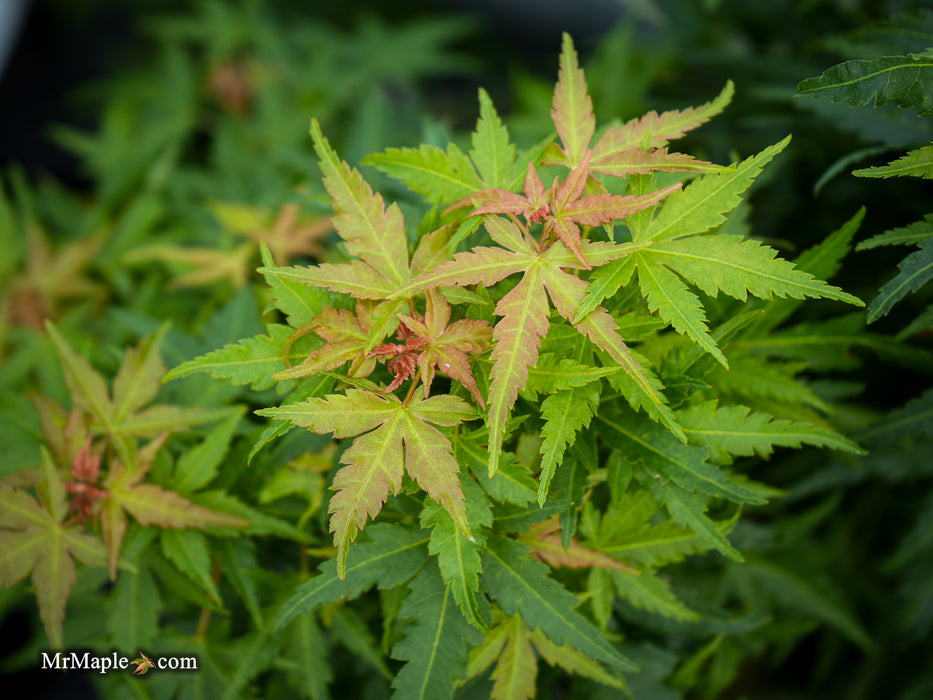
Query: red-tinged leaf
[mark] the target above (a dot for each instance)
(454, 364)
(153, 505)
(495, 201)
(547, 545)
(52, 577)
(534, 188)
(654, 130)
(374, 234)
(355, 278)
(482, 265)
(325, 358)
(636, 160)
(570, 189)
(357, 412)
(595, 209)
(569, 234)
(372, 468)
(573, 109)
(429, 462)
(517, 337)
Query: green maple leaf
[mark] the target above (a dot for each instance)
(376, 461)
(34, 539)
(677, 248)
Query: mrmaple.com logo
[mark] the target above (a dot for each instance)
(86, 661)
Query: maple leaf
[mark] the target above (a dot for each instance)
(121, 414)
(681, 245)
(85, 470)
(447, 345)
(376, 461)
(143, 664)
(402, 357)
(372, 233)
(524, 310)
(34, 538)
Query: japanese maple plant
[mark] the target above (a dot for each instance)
(529, 386)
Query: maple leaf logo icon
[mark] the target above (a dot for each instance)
(143, 664)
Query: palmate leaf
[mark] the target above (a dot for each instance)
(371, 232)
(492, 152)
(739, 267)
(392, 555)
(438, 175)
(656, 545)
(696, 209)
(447, 176)
(916, 163)
(34, 539)
(906, 80)
(915, 271)
(436, 645)
(524, 310)
(517, 338)
(822, 261)
(375, 463)
(520, 585)
(120, 414)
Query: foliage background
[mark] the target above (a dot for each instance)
(143, 140)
